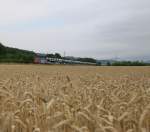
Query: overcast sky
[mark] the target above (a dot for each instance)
(87, 28)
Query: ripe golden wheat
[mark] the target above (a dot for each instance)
(74, 99)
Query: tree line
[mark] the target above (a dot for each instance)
(15, 55)
(129, 63)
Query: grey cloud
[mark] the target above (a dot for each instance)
(94, 28)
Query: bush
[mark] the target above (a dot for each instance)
(129, 63)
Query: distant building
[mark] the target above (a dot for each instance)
(40, 59)
(43, 59)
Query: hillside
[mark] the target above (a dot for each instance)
(8, 54)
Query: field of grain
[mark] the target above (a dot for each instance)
(38, 98)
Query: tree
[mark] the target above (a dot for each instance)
(129, 63)
(91, 60)
(2, 49)
(51, 55)
(57, 55)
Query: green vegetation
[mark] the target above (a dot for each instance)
(129, 63)
(91, 60)
(15, 55)
(56, 55)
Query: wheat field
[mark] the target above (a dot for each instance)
(39, 98)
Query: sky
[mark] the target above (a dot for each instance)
(103, 29)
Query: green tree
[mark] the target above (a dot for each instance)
(57, 55)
